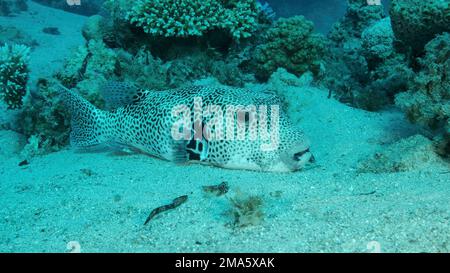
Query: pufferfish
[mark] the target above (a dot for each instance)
(144, 120)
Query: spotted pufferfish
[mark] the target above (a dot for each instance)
(143, 120)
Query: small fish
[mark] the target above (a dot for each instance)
(144, 120)
(175, 203)
(217, 190)
(23, 163)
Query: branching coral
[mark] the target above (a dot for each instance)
(416, 22)
(428, 100)
(291, 44)
(187, 18)
(14, 74)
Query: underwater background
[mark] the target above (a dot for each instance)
(366, 81)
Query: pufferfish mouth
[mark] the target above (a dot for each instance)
(298, 156)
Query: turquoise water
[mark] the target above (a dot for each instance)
(224, 126)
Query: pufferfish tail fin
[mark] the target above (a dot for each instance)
(90, 126)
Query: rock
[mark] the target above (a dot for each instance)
(8, 7)
(413, 153)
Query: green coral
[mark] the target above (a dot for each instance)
(291, 44)
(416, 22)
(428, 100)
(14, 74)
(188, 18)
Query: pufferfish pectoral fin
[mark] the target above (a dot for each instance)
(119, 94)
(179, 154)
(184, 151)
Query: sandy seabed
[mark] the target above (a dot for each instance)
(101, 200)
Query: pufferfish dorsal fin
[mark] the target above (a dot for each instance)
(120, 94)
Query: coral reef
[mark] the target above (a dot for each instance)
(44, 121)
(416, 22)
(291, 44)
(171, 57)
(95, 28)
(222, 25)
(410, 154)
(358, 17)
(94, 64)
(427, 101)
(89, 68)
(185, 18)
(364, 69)
(8, 7)
(14, 74)
(378, 40)
(266, 11)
